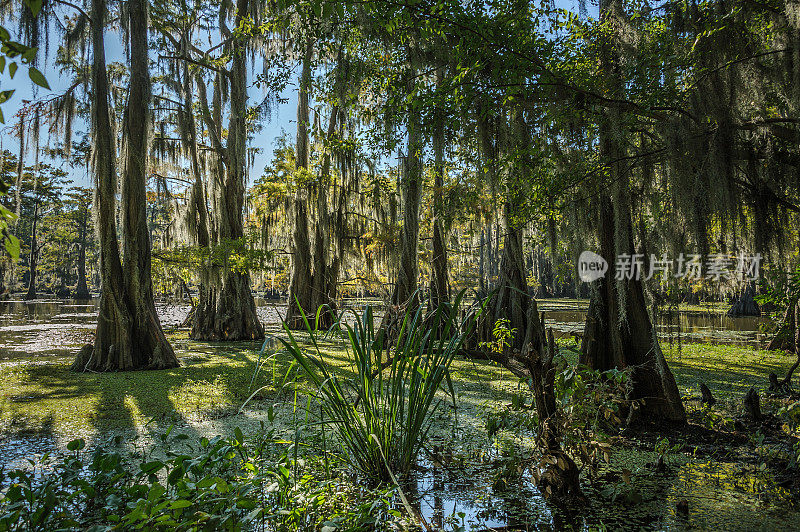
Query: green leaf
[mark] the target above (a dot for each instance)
(4, 35)
(180, 503)
(175, 475)
(2, 63)
(76, 445)
(38, 78)
(5, 95)
(12, 69)
(35, 6)
(29, 53)
(152, 467)
(156, 491)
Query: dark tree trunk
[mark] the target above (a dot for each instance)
(618, 332)
(81, 288)
(301, 286)
(490, 252)
(200, 224)
(327, 265)
(510, 299)
(129, 334)
(405, 296)
(745, 304)
(440, 286)
(787, 337)
(227, 310)
(33, 260)
(405, 291)
(482, 266)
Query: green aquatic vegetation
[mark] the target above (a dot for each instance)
(221, 484)
(728, 370)
(384, 414)
(208, 382)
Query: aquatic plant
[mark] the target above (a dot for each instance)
(383, 415)
(224, 484)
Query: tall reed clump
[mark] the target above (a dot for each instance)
(384, 414)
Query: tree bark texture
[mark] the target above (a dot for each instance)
(618, 332)
(301, 286)
(227, 310)
(81, 288)
(440, 286)
(33, 260)
(129, 334)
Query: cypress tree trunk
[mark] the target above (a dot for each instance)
(408, 271)
(315, 272)
(81, 288)
(510, 299)
(135, 233)
(405, 289)
(227, 310)
(482, 266)
(440, 287)
(197, 195)
(491, 255)
(787, 336)
(325, 274)
(405, 296)
(618, 332)
(301, 286)
(33, 259)
(129, 335)
(745, 304)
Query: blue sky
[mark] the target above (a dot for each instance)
(283, 116)
(282, 120)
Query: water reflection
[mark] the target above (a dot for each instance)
(684, 326)
(53, 327)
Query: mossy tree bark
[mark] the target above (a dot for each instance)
(787, 337)
(33, 257)
(199, 222)
(315, 270)
(440, 286)
(129, 334)
(227, 310)
(328, 236)
(618, 332)
(405, 295)
(301, 287)
(81, 288)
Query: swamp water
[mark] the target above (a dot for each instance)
(475, 492)
(54, 327)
